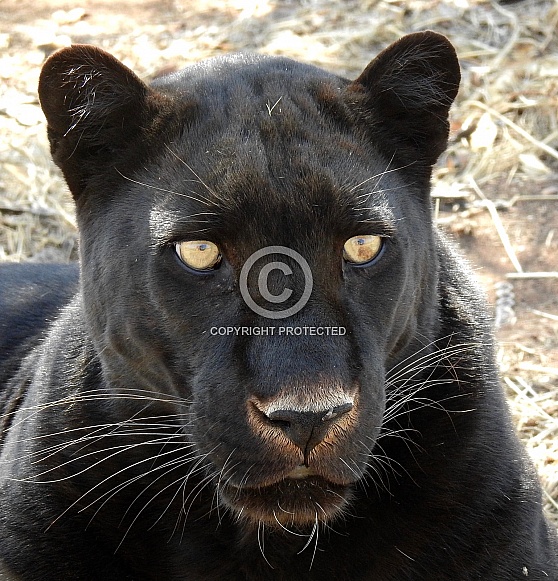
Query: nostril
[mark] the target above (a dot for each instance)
(288, 417)
(283, 424)
(335, 412)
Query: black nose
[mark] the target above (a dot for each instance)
(307, 429)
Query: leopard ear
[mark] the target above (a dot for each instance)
(405, 93)
(96, 109)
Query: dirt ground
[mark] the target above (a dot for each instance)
(495, 190)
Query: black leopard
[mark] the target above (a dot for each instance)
(269, 364)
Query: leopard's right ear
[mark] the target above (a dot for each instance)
(99, 113)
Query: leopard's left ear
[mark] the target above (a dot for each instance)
(405, 93)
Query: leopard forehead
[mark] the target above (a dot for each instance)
(273, 143)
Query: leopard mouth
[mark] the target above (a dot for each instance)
(301, 499)
(301, 471)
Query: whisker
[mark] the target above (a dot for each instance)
(109, 493)
(164, 190)
(191, 169)
(310, 536)
(261, 541)
(378, 175)
(156, 495)
(172, 465)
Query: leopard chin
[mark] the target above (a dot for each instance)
(294, 501)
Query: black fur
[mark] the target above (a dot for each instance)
(139, 443)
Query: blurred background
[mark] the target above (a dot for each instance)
(495, 190)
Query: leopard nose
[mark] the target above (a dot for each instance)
(307, 429)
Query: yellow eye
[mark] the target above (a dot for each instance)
(362, 249)
(199, 254)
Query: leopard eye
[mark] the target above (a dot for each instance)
(360, 250)
(199, 254)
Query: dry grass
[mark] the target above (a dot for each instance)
(496, 188)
